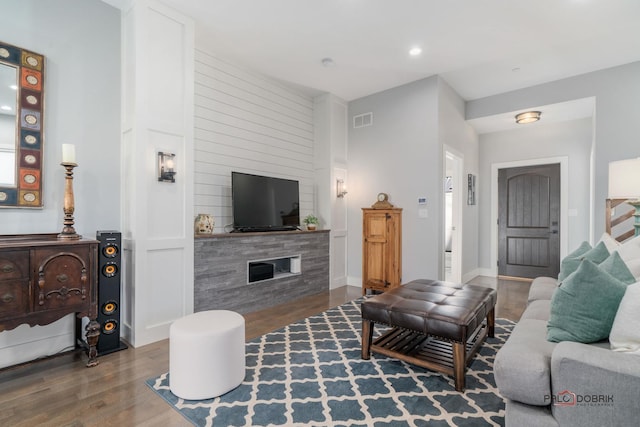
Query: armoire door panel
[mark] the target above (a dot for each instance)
(381, 263)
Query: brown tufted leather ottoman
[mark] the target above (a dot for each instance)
(435, 325)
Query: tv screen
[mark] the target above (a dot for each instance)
(262, 203)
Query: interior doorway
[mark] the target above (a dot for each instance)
(453, 191)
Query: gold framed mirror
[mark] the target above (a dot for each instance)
(21, 127)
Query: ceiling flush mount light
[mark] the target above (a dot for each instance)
(528, 117)
(415, 51)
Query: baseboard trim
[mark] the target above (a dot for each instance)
(338, 282)
(470, 275)
(515, 278)
(354, 281)
(489, 272)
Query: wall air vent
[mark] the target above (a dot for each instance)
(362, 120)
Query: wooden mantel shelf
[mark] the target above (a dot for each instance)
(258, 233)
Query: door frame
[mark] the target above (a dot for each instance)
(456, 219)
(564, 202)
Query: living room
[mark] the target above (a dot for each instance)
(95, 105)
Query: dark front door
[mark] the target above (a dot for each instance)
(529, 221)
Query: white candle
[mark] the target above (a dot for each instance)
(68, 153)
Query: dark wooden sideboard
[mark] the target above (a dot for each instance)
(43, 278)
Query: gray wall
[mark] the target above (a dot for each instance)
(616, 90)
(570, 139)
(401, 154)
(80, 40)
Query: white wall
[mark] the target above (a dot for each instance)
(80, 40)
(570, 139)
(616, 91)
(247, 122)
(157, 226)
(330, 162)
(455, 133)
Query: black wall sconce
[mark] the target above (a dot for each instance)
(341, 188)
(166, 167)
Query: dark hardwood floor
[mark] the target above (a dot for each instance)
(512, 295)
(61, 391)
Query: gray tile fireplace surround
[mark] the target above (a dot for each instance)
(221, 269)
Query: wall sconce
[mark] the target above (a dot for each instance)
(341, 188)
(528, 117)
(166, 167)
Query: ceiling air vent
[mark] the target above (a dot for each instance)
(362, 120)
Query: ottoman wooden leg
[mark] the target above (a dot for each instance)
(491, 322)
(367, 336)
(459, 365)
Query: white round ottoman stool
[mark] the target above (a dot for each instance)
(206, 354)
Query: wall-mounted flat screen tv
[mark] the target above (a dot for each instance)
(262, 203)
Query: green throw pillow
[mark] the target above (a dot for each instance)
(568, 262)
(583, 308)
(615, 266)
(582, 249)
(597, 254)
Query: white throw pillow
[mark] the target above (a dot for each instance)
(629, 251)
(625, 332)
(611, 243)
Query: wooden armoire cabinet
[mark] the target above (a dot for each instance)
(43, 278)
(381, 249)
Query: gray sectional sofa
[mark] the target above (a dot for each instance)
(565, 383)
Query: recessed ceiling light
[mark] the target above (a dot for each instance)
(415, 51)
(5, 108)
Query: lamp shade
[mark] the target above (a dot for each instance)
(624, 179)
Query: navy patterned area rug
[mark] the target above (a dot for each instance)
(310, 374)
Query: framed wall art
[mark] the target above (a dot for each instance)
(471, 189)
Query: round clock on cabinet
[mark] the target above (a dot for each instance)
(382, 202)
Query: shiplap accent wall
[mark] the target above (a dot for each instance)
(249, 123)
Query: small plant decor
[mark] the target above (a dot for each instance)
(311, 221)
